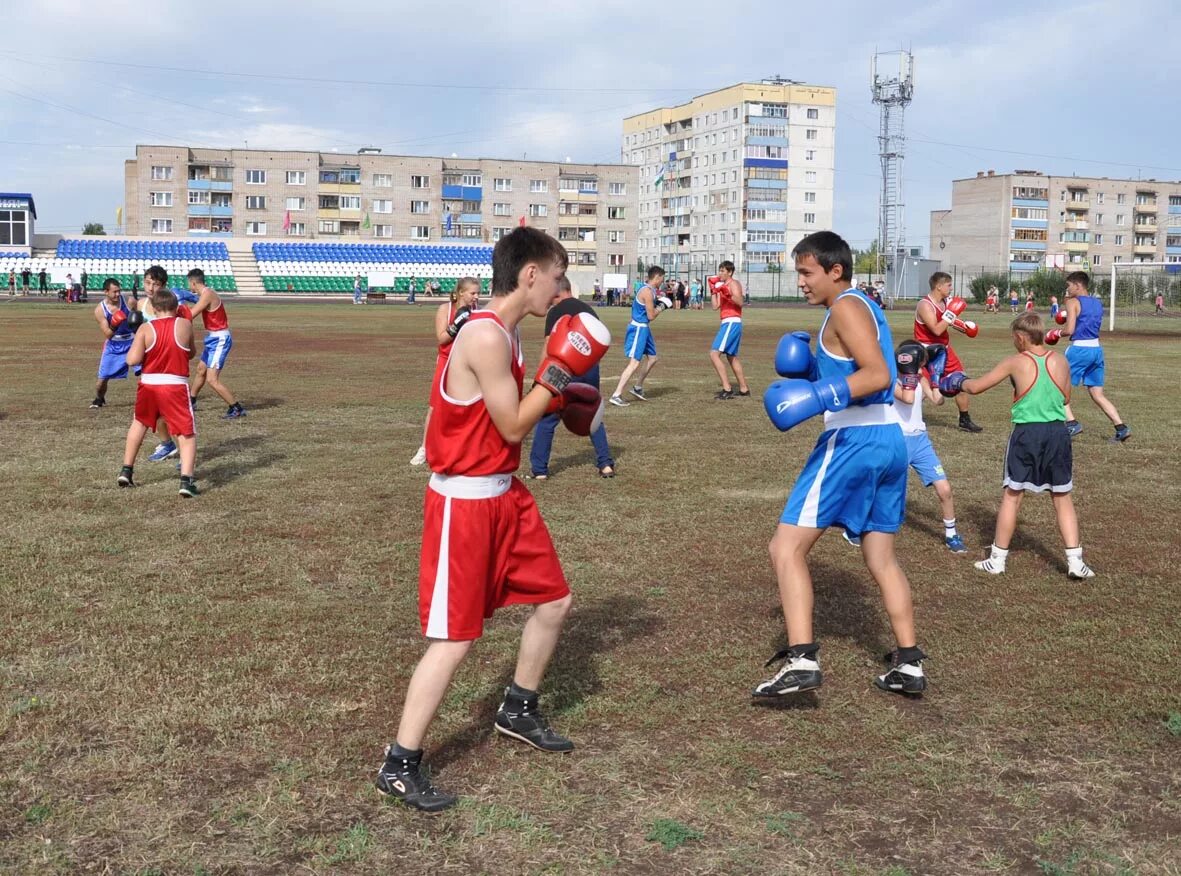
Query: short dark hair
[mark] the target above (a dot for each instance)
(828, 248)
(157, 273)
(521, 246)
(939, 277)
(197, 274)
(109, 282)
(728, 265)
(1080, 277)
(654, 272)
(1030, 326)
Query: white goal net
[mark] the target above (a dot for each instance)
(1142, 296)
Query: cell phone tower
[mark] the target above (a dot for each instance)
(893, 89)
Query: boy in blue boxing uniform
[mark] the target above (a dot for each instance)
(1084, 318)
(638, 346)
(855, 477)
(112, 316)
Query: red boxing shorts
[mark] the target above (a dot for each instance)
(167, 400)
(484, 545)
(953, 361)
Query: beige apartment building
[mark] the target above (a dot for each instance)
(188, 192)
(1024, 220)
(741, 173)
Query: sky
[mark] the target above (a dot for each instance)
(1063, 87)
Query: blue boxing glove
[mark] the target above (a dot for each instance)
(936, 361)
(952, 383)
(789, 402)
(793, 356)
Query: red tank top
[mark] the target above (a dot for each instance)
(461, 438)
(924, 335)
(215, 318)
(727, 306)
(166, 356)
(445, 349)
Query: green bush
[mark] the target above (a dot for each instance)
(979, 286)
(1044, 284)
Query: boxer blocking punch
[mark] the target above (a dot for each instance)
(934, 316)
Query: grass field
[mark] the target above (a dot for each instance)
(205, 686)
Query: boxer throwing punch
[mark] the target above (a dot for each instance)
(638, 345)
(935, 314)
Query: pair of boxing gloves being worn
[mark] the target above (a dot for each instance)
(135, 319)
(574, 346)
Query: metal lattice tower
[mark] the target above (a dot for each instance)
(893, 88)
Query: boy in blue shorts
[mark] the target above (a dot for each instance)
(1084, 318)
(854, 478)
(727, 297)
(638, 346)
(112, 316)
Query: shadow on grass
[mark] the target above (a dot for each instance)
(230, 445)
(225, 472)
(586, 456)
(983, 521)
(262, 404)
(592, 631)
(847, 606)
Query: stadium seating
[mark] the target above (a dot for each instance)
(332, 267)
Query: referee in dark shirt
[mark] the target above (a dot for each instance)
(543, 435)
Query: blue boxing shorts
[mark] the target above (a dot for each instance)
(638, 343)
(1086, 363)
(217, 347)
(729, 337)
(112, 365)
(923, 459)
(855, 478)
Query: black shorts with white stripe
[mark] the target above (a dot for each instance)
(1038, 458)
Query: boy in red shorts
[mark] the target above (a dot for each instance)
(163, 347)
(484, 544)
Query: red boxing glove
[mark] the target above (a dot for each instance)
(183, 312)
(955, 306)
(968, 327)
(576, 343)
(1053, 336)
(1060, 317)
(581, 408)
(117, 319)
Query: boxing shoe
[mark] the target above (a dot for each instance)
(905, 674)
(1073, 428)
(800, 672)
(1122, 434)
(402, 778)
(519, 718)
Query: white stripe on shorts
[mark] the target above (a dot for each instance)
(725, 337)
(631, 354)
(812, 501)
(436, 624)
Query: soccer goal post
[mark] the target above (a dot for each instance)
(1137, 287)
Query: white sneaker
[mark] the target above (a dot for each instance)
(619, 402)
(1079, 571)
(992, 566)
(420, 457)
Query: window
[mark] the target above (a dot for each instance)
(161, 199)
(1119, 218)
(809, 155)
(616, 236)
(810, 134)
(503, 185)
(765, 151)
(761, 215)
(499, 232)
(813, 113)
(383, 206)
(473, 179)
(617, 188)
(501, 210)
(470, 206)
(616, 212)
(350, 202)
(383, 231)
(296, 177)
(1098, 239)
(567, 184)
(256, 177)
(419, 207)
(295, 203)
(329, 202)
(809, 218)
(161, 226)
(538, 185)
(1119, 240)
(256, 228)
(420, 182)
(615, 259)
(538, 210)
(383, 180)
(1099, 198)
(256, 202)
(588, 186)
(809, 197)
(296, 229)
(1030, 213)
(810, 176)
(470, 231)
(161, 171)
(194, 198)
(1096, 260)
(1175, 200)
(329, 226)
(1119, 199)
(420, 232)
(1098, 218)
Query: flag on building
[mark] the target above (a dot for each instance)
(287, 221)
(447, 223)
(659, 176)
(365, 224)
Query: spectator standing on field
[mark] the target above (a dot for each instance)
(1160, 303)
(26, 275)
(412, 288)
(84, 281)
(357, 290)
(12, 282)
(43, 281)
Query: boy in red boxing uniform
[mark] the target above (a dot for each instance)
(163, 347)
(484, 544)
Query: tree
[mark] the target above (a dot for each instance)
(1043, 284)
(865, 261)
(979, 284)
(94, 228)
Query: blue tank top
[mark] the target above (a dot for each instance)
(1090, 319)
(123, 332)
(639, 311)
(829, 366)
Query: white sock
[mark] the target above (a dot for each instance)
(1074, 556)
(949, 528)
(1000, 554)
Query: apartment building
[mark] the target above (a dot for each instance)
(191, 192)
(1024, 220)
(741, 173)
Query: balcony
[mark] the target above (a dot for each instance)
(328, 213)
(206, 185)
(1145, 207)
(1144, 227)
(1144, 249)
(1079, 205)
(208, 210)
(1076, 246)
(1078, 225)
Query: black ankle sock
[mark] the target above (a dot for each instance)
(1119, 426)
(806, 649)
(910, 655)
(397, 751)
(521, 693)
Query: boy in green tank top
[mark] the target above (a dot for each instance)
(1038, 457)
